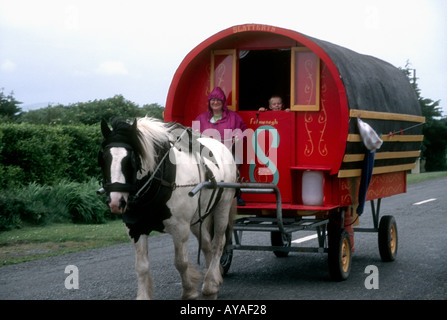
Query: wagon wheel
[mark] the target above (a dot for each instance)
(279, 239)
(339, 255)
(388, 238)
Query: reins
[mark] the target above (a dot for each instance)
(140, 192)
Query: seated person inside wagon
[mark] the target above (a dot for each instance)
(275, 104)
(220, 118)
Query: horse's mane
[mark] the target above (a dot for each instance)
(149, 139)
(154, 137)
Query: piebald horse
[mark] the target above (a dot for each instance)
(148, 168)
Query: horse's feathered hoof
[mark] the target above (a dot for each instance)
(210, 296)
(190, 296)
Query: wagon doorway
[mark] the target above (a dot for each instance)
(263, 73)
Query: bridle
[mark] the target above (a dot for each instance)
(130, 186)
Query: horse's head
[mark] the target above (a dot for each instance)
(119, 160)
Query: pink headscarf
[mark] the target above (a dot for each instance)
(230, 119)
(218, 93)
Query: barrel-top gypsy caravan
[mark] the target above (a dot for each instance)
(310, 168)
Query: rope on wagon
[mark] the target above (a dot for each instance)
(400, 131)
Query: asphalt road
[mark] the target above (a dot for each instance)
(418, 273)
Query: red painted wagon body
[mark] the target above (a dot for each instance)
(326, 88)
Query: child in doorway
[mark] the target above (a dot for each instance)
(275, 104)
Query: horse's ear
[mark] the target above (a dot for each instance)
(134, 125)
(105, 128)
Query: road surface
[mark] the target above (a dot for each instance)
(419, 272)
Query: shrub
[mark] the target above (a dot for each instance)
(83, 204)
(65, 201)
(10, 209)
(45, 155)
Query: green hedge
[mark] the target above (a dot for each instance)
(65, 201)
(46, 154)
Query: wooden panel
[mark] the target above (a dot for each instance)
(377, 170)
(385, 116)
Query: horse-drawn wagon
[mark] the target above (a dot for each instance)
(309, 168)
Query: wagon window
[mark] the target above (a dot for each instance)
(263, 73)
(304, 80)
(223, 74)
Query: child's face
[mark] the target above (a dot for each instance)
(275, 104)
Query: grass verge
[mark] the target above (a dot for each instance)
(36, 242)
(414, 178)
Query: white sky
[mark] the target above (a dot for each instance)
(67, 51)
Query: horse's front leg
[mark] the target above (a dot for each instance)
(142, 268)
(190, 276)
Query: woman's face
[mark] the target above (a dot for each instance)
(216, 105)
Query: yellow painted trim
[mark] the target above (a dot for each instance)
(349, 173)
(382, 155)
(353, 157)
(397, 154)
(386, 138)
(385, 116)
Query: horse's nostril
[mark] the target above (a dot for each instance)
(123, 203)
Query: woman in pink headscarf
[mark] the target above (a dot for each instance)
(228, 125)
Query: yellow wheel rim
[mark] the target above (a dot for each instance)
(345, 255)
(393, 239)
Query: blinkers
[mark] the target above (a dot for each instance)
(130, 172)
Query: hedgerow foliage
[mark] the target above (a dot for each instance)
(45, 154)
(64, 201)
(48, 160)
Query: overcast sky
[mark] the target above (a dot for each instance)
(67, 51)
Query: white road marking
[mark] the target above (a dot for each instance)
(305, 238)
(425, 201)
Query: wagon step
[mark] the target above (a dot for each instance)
(271, 224)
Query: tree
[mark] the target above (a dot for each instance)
(153, 110)
(434, 145)
(435, 142)
(91, 112)
(9, 107)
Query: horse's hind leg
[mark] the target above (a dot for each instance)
(190, 276)
(213, 278)
(204, 238)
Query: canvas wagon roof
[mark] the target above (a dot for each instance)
(370, 83)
